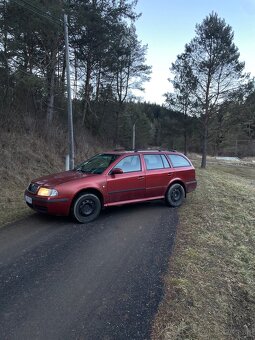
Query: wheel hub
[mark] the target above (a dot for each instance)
(176, 195)
(87, 207)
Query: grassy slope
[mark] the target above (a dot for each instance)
(23, 157)
(209, 289)
(28, 156)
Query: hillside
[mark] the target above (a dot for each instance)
(27, 156)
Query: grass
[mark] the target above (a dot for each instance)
(23, 157)
(28, 156)
(210, 285)
(13, 207)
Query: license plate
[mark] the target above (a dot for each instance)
(28, 199)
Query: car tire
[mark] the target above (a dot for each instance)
(175, 195)
(86, 208)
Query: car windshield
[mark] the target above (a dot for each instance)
(97, 164)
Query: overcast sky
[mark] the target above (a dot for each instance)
(167, 25)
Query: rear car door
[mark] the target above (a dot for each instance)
(184, 170)
(127, 186)
(158, 174)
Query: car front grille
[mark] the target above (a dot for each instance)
(33, 187)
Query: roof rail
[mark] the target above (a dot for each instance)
(154, 150)
(147, 150)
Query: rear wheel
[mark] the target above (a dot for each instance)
(86, 208)
(175, 195)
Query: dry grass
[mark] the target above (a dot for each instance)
(210, 286)
(23, 157)
(28, 156)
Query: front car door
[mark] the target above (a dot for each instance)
(128, 186)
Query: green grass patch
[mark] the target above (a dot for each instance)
(210, 285)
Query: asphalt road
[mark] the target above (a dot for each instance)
(103, 280)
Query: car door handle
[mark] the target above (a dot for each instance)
(141, 177)
(170, 174)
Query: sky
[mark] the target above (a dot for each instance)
(167, 25)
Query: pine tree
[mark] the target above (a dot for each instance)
(213, 62)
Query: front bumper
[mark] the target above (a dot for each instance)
(48, 205)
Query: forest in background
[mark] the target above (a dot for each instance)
(108, 62)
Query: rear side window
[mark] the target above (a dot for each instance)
(154, 162)
(178, 161)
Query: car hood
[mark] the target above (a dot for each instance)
(61, 177)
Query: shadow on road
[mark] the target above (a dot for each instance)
(40, 219)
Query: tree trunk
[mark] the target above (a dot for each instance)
(75, 76)
(204, 147)
(206, 122)
(185, 135)
(86, 92)
(185, 142)
(4, 100)
(116, 134)
(98, 84)
(63, 74)
(50, 101)
(51, 64)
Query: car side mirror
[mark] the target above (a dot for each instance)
(116, 171)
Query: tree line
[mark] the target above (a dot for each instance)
(212, 100)
(107, 59)
(210, 83)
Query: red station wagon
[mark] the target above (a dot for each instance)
(113, 178)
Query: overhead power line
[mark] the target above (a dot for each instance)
(38, 11)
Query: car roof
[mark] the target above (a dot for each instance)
(149, 151)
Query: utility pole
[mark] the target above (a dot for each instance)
(69, 98)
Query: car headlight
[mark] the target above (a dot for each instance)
(47, 192)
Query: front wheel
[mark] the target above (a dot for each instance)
(86, 208)
(175, 195)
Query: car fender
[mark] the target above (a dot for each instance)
(89, 189)
(176, 180)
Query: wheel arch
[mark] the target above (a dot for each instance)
(175, 182)
(86, 191)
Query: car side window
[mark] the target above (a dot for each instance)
(153, 162)
(178, 161)
(129, 164)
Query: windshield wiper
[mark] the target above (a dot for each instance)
(83, 171)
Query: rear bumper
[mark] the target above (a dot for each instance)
(191, 185)
(48, 205)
